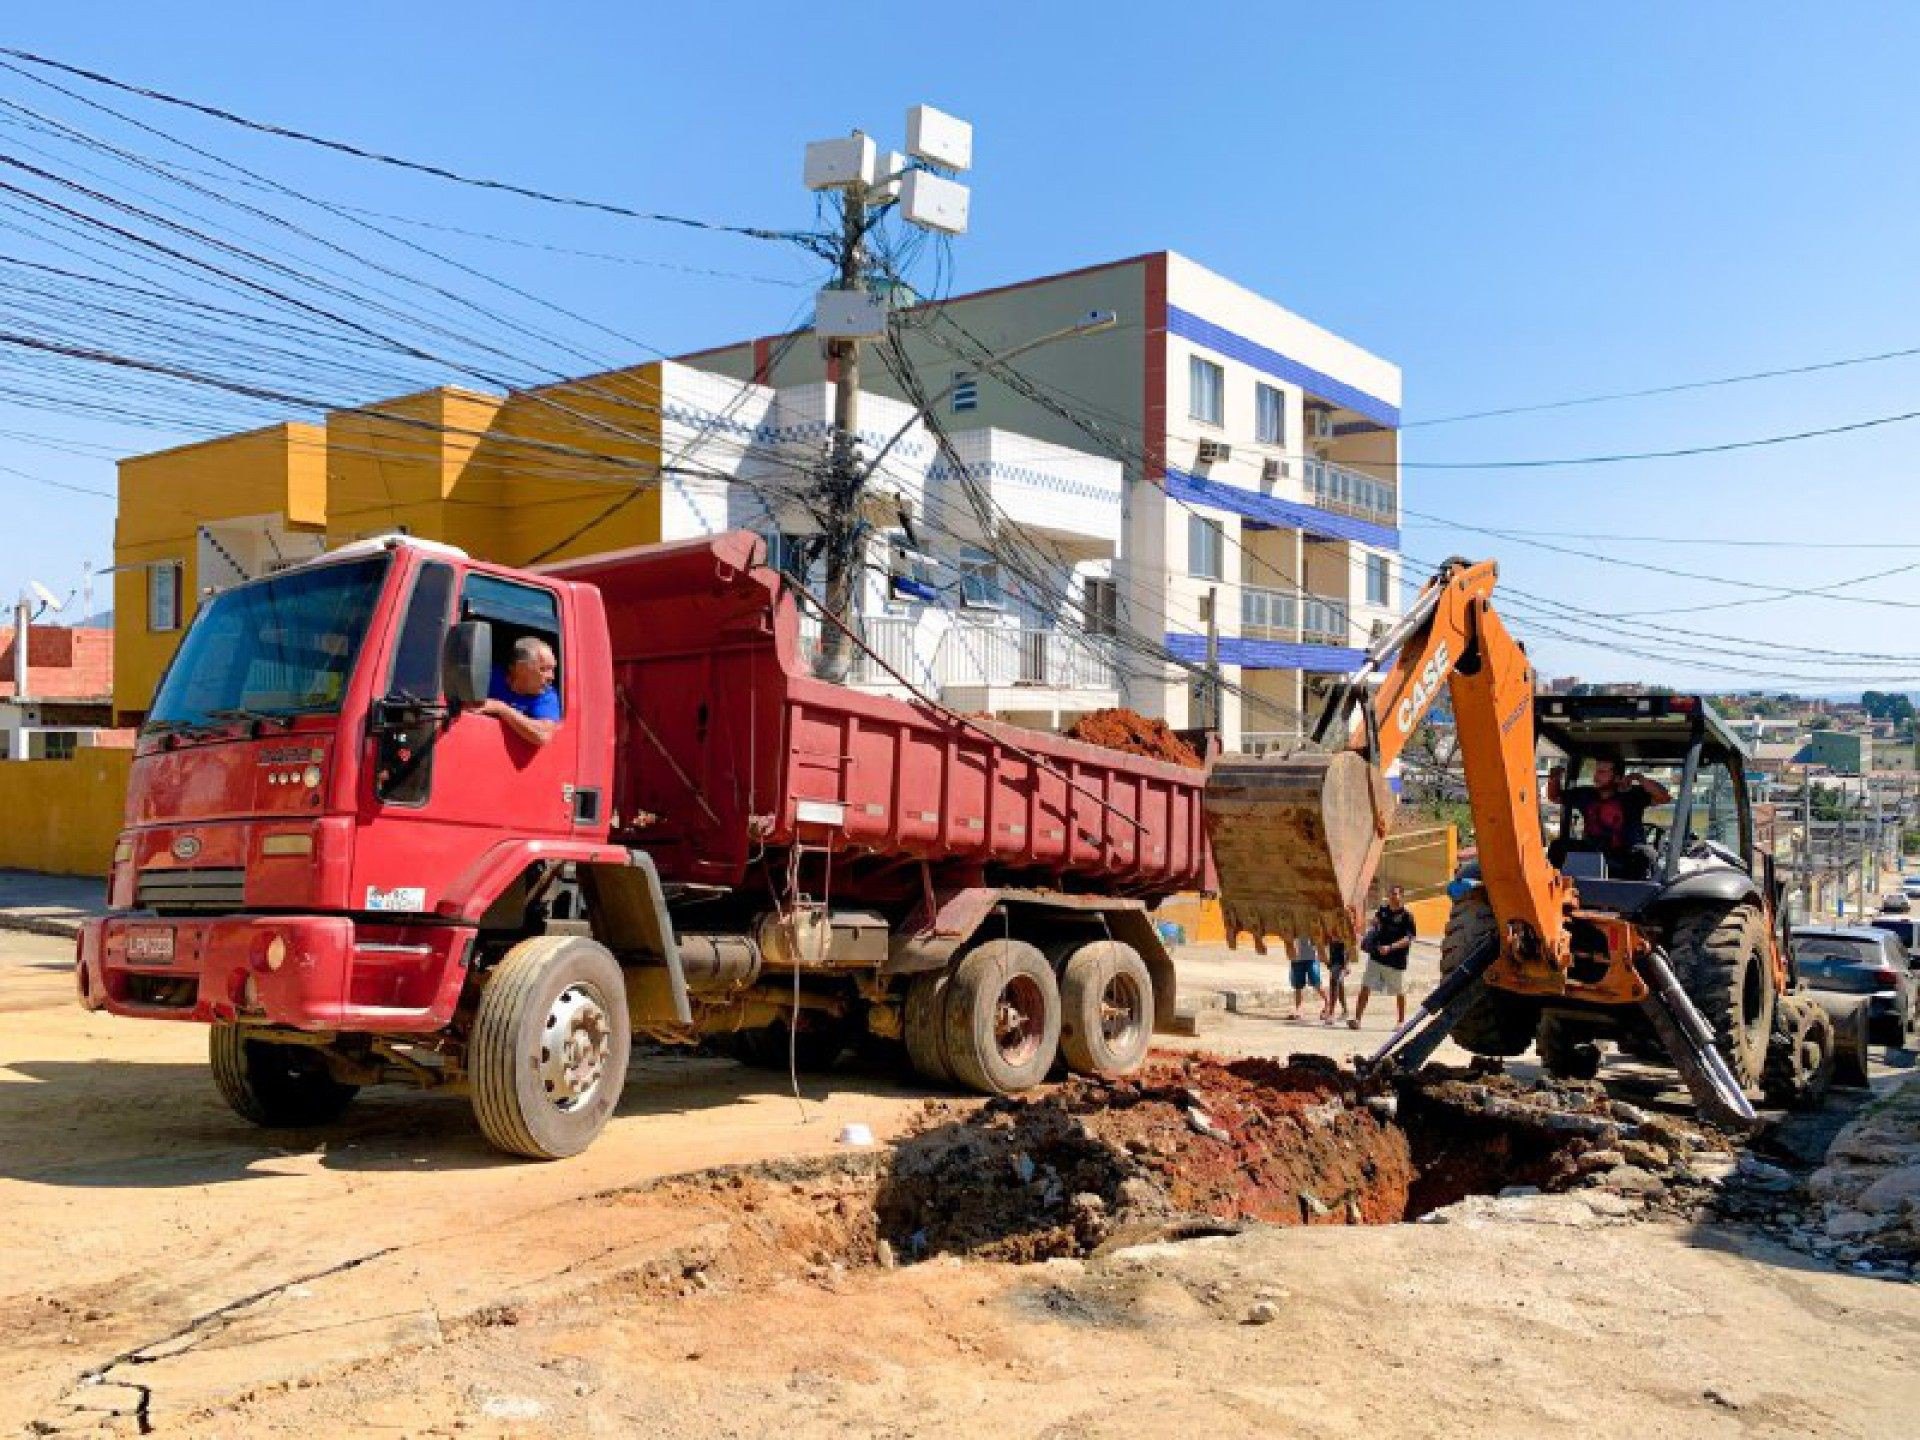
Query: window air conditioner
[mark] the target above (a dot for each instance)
(1272, 472)
(1215, 451)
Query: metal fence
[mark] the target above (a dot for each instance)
(1334, 487)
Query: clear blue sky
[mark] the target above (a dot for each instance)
(1516, 203)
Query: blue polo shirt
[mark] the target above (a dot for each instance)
(544, 706)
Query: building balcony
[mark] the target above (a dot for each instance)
(1292, 615)
(1348, 492)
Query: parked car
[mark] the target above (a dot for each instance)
(1863, 960)
(1907, 927)
(1895, 903)
(1910, 885)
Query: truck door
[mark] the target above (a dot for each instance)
(464, 783)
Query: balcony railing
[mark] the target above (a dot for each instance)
(972, 654)
(1334, 487)
(1291, 615)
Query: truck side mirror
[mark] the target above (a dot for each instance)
(466, 662)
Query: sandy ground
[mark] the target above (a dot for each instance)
(393, 1276)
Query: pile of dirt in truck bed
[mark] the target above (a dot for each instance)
(1091, 1162)
(1135, 734)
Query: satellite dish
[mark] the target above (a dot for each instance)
(45, 596)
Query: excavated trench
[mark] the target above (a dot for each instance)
(1189, 1147)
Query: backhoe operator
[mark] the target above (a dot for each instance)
(1612, 809)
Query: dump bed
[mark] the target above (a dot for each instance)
(730, 755)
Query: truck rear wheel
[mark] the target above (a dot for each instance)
(1719, 953)
(814, 1050)
(1106, 1009)
(550, 1044)
(1496, 1023)
(924, 1027)
(275, 1085)
(1003, 1018)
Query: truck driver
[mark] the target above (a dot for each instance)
(522, 697)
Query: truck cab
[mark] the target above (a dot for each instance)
(315, 828)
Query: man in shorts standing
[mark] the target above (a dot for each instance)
(1388, 943)
(1305, 973)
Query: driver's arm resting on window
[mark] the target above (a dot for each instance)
(524, 699)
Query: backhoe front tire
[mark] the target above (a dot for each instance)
(1566, 1050)
(1496, 1023)
(278, 1086)
(550, 1045)
(1719, 954)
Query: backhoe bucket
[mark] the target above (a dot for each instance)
(1296, 840)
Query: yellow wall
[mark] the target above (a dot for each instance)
(566, 470)
(67, 812)
(164, 499)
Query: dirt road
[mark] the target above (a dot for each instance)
(392, 1276)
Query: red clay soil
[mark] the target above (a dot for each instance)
(1060, 1172)
(1134, 734)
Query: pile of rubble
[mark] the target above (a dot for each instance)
(1092, 1163)
(1861, 1209)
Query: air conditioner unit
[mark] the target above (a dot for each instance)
(1320, 424)
(1215, 452)
(1272, 472)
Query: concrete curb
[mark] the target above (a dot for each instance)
(57, 926)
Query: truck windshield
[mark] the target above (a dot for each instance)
(275, 648)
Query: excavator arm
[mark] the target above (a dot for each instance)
(1332, 802)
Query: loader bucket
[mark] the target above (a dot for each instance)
(1296, 841)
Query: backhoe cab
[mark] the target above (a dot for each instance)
(1663, 935)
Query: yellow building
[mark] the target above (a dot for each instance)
(540, 475)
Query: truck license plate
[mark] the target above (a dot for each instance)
(150, 947)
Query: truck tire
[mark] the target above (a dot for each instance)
(275, 1085)
(924, 1027)
(1496, 1023)
(1800, 1054)
(550, 1044)
(1003, 1018)
(1566, 1049)
(1106, 1009)
(1719, 954)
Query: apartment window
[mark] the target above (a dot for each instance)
(163, 595)
(60, 744)
(1207, 388)
(979, 580)
(1379, 580)
(1206, 548)
(1100, 605)
(966, 391)
(1269, 415)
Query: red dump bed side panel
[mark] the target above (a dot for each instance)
(727, 749)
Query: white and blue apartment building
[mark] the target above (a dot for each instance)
(1211, 463)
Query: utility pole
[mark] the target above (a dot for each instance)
(847, 314)
(1806, 844)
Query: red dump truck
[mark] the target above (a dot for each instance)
(336, 861)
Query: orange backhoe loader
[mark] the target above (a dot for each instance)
(1668, 939)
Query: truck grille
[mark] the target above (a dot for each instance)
(176, 890)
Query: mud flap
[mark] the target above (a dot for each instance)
(1690, 1044)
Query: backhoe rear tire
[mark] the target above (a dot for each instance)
(550, 1044)
(278, 1086)
(1566, 1049)
(1719, 954)
(1496, 1023)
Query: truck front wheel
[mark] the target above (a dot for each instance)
(548, 1055)
(275, 1085)
(1003, 1018)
